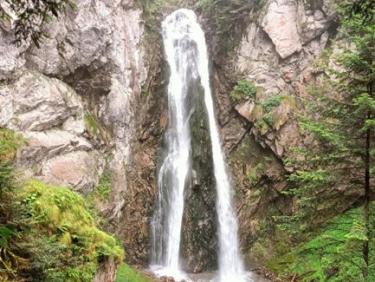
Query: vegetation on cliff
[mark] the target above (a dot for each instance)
(339, 117)
(46, 232)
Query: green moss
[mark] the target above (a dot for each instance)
(243, 90)
(254, 173)
(268, 117)
(96, 129)
(127, 274)
(62, 215)
(262, 126)
(92, 124)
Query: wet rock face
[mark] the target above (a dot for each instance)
(199, 240)
(150, 124)
(258, 179)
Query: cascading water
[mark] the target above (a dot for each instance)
(186, 52)
(173, 173)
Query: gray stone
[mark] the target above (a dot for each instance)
(280, 23)
(11, 57)
(38, 103)
(79, 170)
(48, 144)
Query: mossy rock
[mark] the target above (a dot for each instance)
(62, 216)
(95, 128)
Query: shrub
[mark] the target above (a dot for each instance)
(9, 143)
(243, 90)
(271, 103)
(61, 236)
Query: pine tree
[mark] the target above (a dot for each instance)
(341, 119)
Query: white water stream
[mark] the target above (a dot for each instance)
(186, 53)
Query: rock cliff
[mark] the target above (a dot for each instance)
(91, 100)
(74, 99)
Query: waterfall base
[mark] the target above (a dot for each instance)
(160, 271)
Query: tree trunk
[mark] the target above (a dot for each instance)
(367, 193)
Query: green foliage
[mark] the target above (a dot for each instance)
(267, 118)
(126, 274)
(95, 128)
(46, 232)
(92, 124)
(332, 254)
(99, 196)
(321, 63)
(243, 90)
(9, 143)
(272, 102)
(62, 211)
(6, 233)
(60, 235)
(346, 108)
(320, 176)
(105, 186)
(253, 174)
(340, 119)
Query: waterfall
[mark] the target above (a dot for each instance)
(186, 53)
(173, 173)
